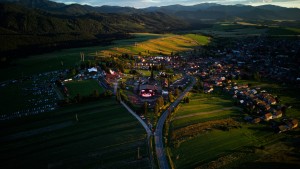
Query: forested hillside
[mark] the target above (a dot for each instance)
(28, 30)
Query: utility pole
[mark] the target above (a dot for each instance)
(82, 56)
(76, 117)
(138, 153)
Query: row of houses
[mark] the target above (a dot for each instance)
(258, 103)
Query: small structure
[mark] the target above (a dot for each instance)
(277, 114)
(93, 69)
(283, 128)
(256, 120)
(289, 125)
(268, 116)
(293, 123)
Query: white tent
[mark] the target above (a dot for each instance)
(93, 69)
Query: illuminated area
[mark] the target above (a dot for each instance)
(147, 90)
(147, 93)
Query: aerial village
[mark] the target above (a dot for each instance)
(239, 62)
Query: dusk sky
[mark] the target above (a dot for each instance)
(147, 3)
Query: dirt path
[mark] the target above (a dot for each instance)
(209, 112)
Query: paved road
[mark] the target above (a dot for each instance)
(159, 146)
(143, 123)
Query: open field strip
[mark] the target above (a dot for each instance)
(200, 118)
(105, 135)
(163, 45)
(206, 113)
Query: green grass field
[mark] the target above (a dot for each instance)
(209, 146)
(202, 103)
(104, 136)
(216, 148)
(84, 88)
(203, 117)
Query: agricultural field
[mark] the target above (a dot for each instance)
(209, 132)
(201, 107)
(230, 29)
(164, 45)
(83, 88)
(99, 134)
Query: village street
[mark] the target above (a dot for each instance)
(159, 145)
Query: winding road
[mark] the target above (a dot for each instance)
(159, 146)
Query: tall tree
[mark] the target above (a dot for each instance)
(171, 97)
(145, 108)
(160, 101)
(96, 93)
(187, 100)
(176, 92)
(156, 108)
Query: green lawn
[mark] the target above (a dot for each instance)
(105, 136)
(203, 103)
(84, 87)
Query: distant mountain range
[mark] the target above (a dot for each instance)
(53, 24)
(200, 11)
